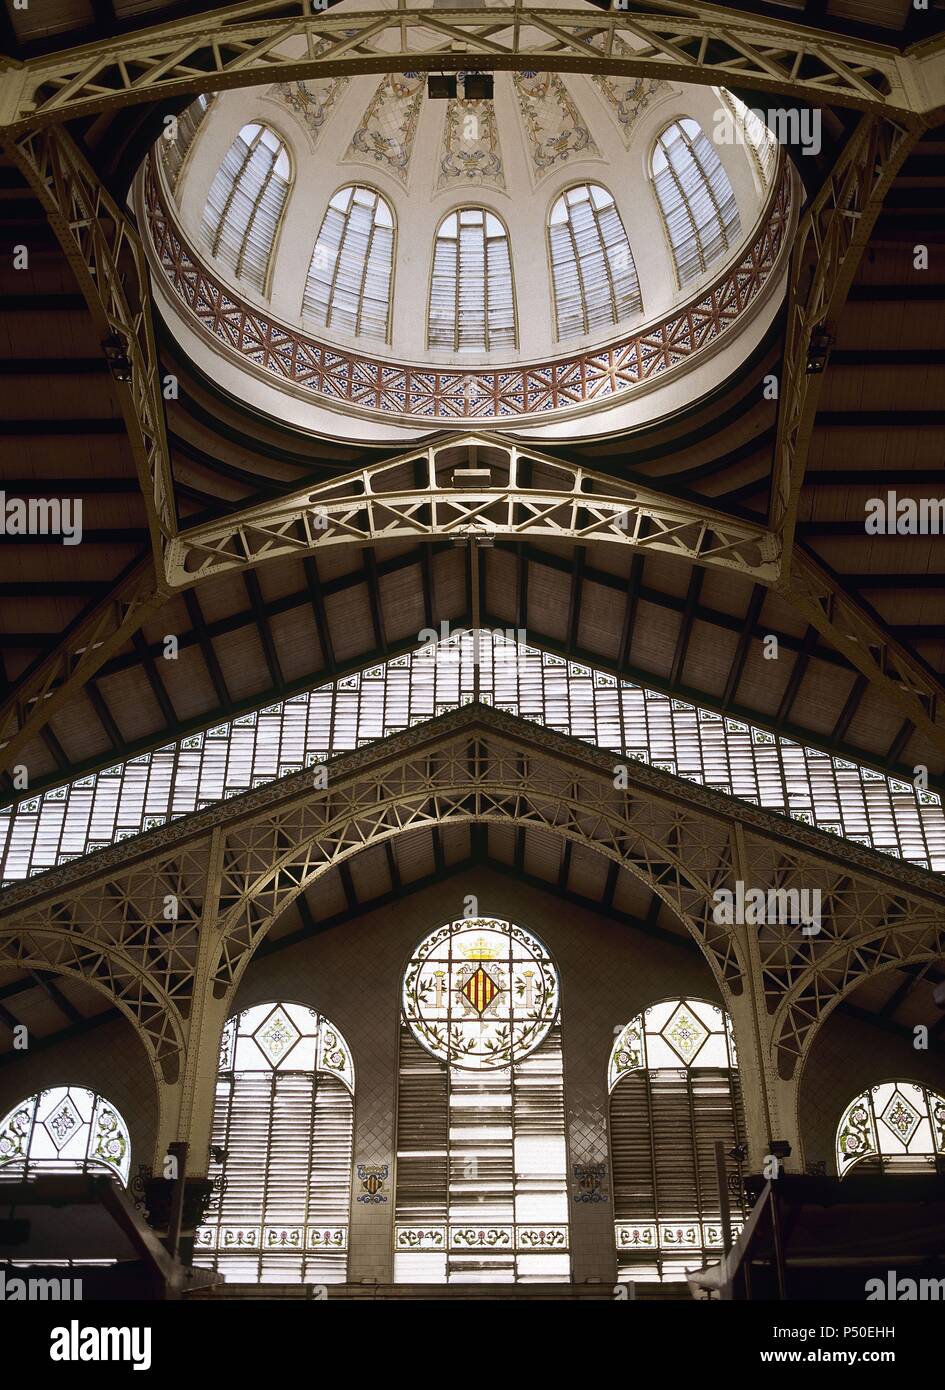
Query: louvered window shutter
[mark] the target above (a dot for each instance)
(348, 283)
(663, 1127)
(422, 1163)
(281, 1209)
(472, 304)
(592, 266)
(481, 1151)
(174, 152)
(695, 198)
(245, 203)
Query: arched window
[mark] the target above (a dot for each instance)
(283, 1130)
(472, 307)
(348, 284)
(176, 141)
(64, 1129)
(896, 1127)
(695, 197)
(481, 1159)
(592, 266)
(756, 135)
(245, 203)
(674, 1092)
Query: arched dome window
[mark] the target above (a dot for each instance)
(896, 1127)
(695, 198)
(284, 1119)
(472, 306)
(481, 1156)
(755, 134)
(177, 139)
(348, 283)
(674, 1092)
(64, 1129)
(245, 203)
(592, 266)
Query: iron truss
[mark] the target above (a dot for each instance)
(830, 239)
(248, 45)
(518, 493)
(678, 40)
(231, 871)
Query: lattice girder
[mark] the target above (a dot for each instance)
(829, 242)
(247, 47)
(383, 502)
(475, 764)
(134, 934)
(119, 976)
(826, 983)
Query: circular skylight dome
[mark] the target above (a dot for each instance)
(565, 248)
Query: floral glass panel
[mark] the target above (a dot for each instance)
(66, 1128)
(677, 1032)
(898, 1126)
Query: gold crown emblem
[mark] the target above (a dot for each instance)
(480, 950)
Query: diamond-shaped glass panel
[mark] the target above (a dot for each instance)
(63, 1123)
(900, 1117)
(684, 1033)
(276, 1036)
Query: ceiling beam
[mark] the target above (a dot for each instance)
(685, 626)
(798, 671)
(264, 631)
(195, 613)
(174, 59)
(374, 598)
(154, 680)
(52, 991)
(745, 638)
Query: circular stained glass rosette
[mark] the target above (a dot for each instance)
(480, 993)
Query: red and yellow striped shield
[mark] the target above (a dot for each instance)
(480, 989)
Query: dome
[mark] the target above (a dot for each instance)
(379, 257)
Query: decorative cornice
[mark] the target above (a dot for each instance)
(427, 394)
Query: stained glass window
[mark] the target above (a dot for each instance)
(695, 198)
(245, 203)
(348, 284)
(480, 996)
(674, 1092)
(283, 1117)
(896, 1127)
(472, 306)
(64, 1129)
(592, 267)
(481, 1156)
(691, 743)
